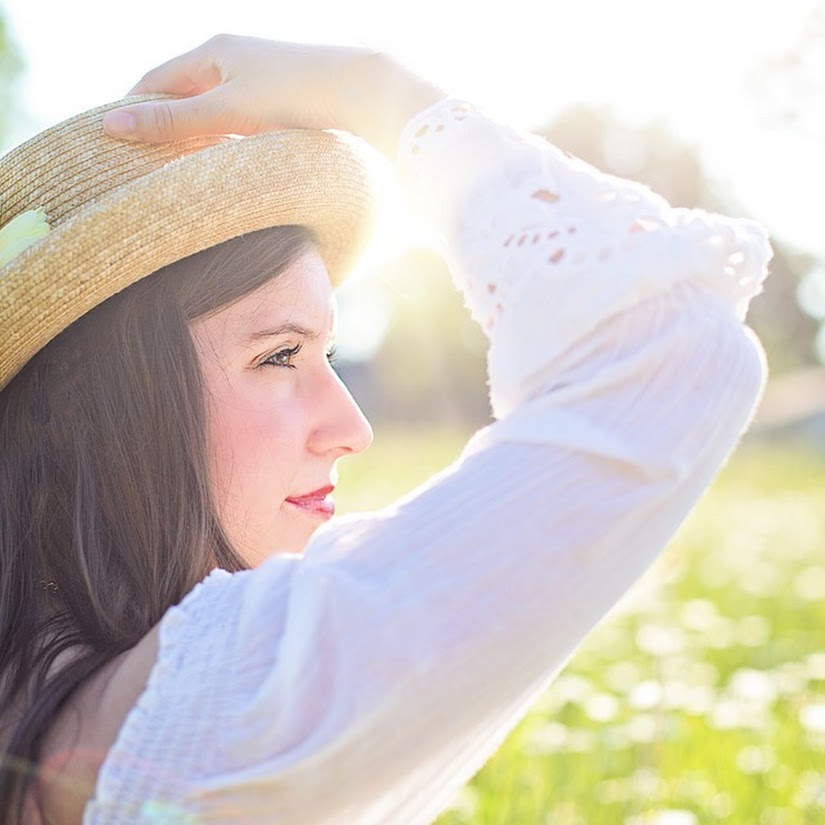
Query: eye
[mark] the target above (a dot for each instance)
(283, 357)
(332, 355)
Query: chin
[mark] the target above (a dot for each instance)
(293, 543)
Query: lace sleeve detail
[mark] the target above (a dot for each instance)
(545, 247)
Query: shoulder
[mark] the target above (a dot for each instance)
(87, 728)
(118, 722)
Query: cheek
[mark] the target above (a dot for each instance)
(254, 449)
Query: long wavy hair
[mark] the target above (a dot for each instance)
(106, 515)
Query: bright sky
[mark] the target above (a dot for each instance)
(521, 59)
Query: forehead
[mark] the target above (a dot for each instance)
(301, 295)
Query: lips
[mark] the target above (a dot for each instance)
(319, 503)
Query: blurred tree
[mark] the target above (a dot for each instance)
(787, 89)
(650, 154)
(431, 366)
(788, 92)
(10, 65)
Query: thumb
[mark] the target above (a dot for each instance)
(167, 120)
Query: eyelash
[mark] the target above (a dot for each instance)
(283, 358)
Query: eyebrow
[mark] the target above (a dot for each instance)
(283, 329)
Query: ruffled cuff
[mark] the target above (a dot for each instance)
(545, 247)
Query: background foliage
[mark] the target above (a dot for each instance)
(10, 66)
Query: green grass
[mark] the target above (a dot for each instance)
(701, 699)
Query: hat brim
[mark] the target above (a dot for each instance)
(312, 178)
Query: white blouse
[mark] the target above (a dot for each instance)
(367, 680)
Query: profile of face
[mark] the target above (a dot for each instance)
(279, 417)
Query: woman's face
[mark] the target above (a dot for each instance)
(279, 416)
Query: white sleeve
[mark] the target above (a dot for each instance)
(366, 681)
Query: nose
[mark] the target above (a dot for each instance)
(341, 428)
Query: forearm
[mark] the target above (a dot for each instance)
(378, 96)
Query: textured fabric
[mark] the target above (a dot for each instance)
(367, 680)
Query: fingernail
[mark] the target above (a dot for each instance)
(119, 123)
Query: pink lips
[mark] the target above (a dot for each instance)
(318, 503)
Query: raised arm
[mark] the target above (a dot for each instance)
(367, 680)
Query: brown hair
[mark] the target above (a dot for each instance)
(104, 486)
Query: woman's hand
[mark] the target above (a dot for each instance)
(246, 85)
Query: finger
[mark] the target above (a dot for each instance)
(165, 120)
(188, 74)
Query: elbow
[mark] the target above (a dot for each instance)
(754, 374)
(726, 403)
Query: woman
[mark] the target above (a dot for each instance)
(192, 421)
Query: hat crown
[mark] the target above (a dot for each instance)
(76, 162)
(120, 211)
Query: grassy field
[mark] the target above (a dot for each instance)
(702, 698)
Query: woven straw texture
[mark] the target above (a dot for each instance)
(119, 211)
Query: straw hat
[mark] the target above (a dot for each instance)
(119, 211)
